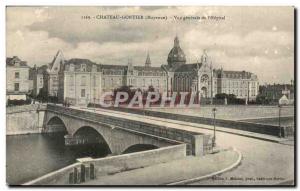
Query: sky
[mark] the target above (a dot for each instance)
(255, 39)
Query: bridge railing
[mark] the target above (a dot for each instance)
(157, 130)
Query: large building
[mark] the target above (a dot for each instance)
(240, 83)
(114, 76)
(82, 81)
(18, 81)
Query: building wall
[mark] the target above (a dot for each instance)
(158, 82)
(82, 87)
(135, 79)
(111, 82)
(239, 87)
(25, 85)
(53, 84)
(38, 83)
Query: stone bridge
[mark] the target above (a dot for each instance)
(118, 134)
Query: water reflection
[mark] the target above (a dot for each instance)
(31, 156)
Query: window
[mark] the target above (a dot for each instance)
(83, 80)
(83, 67)
(17, 75)
(83, 93)
(71, 67)
(95, 80)
(71, 80)
(17, 86)
(103, 79)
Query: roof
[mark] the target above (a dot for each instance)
(57, 60)
(176, 54)
(77, 62)
(16, 60)
(148, 68)
(188, 67)
(119, 67)
(42, 69)
(234, 74)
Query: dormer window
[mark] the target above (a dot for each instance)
(83, 67)
(71, 67)
(16, 63)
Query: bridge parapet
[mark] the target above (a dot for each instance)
(196, 144)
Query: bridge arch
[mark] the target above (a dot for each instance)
(55, 124)
(139, 147)
(92, 136)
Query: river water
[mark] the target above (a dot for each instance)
(31, 156)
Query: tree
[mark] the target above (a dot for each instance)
(43, 95)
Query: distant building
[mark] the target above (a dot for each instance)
(39, 77)
(82, 81)
(18, 83)
(273, 92)
(55, 76)
(240, 83)
(140, 77)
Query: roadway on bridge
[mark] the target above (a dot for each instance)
(263, 162)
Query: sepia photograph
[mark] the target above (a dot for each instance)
(150, 96)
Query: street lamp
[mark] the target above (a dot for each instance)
(279, 113)
(214, 110)
(94, 104)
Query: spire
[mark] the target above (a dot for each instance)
(148, 61)
(130, 67)
(176, 42)
(129, 62)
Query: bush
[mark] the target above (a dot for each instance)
(231, 98)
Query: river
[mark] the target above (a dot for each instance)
(31, 156)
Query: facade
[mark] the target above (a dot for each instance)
(39, 77)
(274, 92)
(177, 76)
(82, 81)
(140, 77)
(18, 82)
(240, 83)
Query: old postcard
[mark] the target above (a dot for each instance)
(150, 95)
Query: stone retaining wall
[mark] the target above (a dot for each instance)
(114, 164)
(240, 125)
(24, 119)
